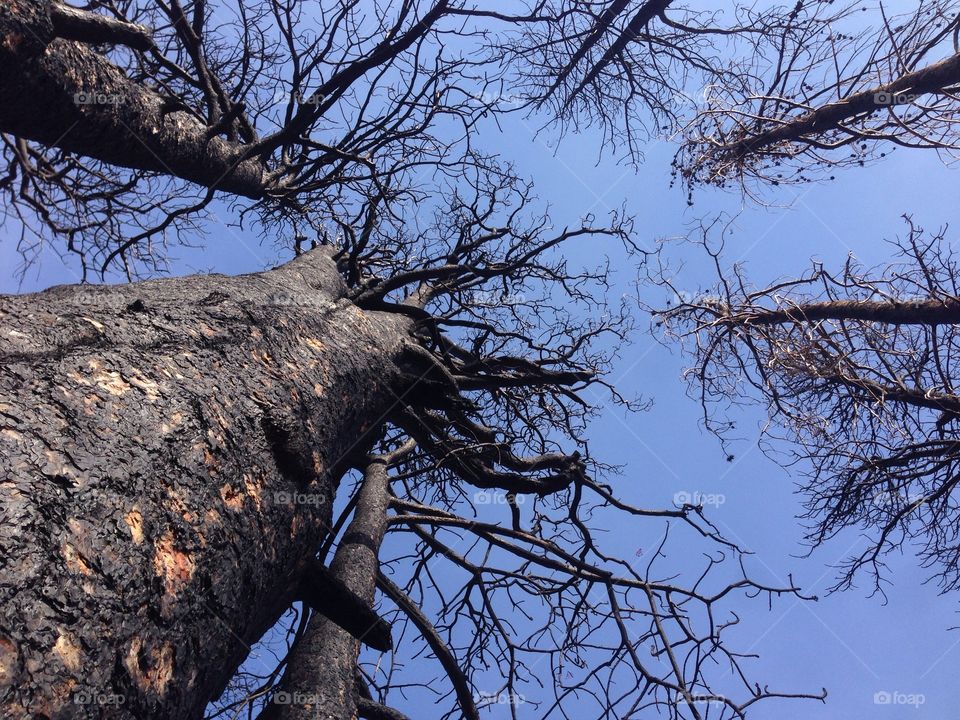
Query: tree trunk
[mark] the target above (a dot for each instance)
(320, 682)
(170, 450)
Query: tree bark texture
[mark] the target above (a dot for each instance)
(169, 451)
(320, 682)
(63, 94)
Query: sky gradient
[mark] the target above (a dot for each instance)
(854, 645)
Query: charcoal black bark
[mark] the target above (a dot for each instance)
(64, 94)
(152, 527)
(320, 681)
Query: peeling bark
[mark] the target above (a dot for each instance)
(168, 454)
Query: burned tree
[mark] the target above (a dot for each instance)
(122, 125)
(831, 89)
(856, 369)
(175, 450)
(138, 468)
(225, 390)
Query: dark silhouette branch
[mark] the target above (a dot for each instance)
(71, 23)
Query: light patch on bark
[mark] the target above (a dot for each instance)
(63, 693)
(67, 649)
(134, 521)
(253, 491)
(296, 525)
(151, 669)
(112, 382)
(180, 506)
(150, 388)
(57, 465)
(11, 434)
(232, 497)
(172, 423)
(174, 566)
(209, 460)
(9, 661)
(314, 344)
(74, 560)
(98, 325)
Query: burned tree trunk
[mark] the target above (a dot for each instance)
(169, 455)
(321, 677)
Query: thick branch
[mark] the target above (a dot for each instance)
(934, 78)
(323, 665)
(71, 23)
(325, 593)
(371, 710)
(82, 103)
(647, 12)
(912, 312)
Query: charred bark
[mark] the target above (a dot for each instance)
(170, 450)
(904, 312)
(63, 94)
(320, 681)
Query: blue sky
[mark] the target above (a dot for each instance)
(854, 645)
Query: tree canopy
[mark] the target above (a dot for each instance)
(355, 134)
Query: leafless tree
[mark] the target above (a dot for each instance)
(476, 358)
(836, 87)
(856, 369)
(142, 114)
(177, 447)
